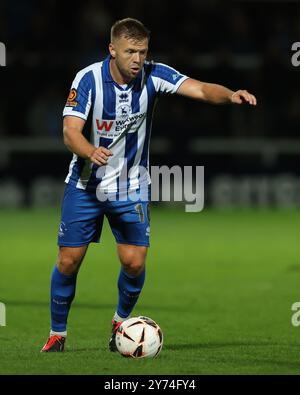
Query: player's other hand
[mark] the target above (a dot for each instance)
(243, 96)
(100, 156)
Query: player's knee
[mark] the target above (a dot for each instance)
(67, 264)
(132, 258)
(134, 267)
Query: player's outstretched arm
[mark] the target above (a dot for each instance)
(214, 93)
(79, 145)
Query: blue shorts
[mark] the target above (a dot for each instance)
(82, 217)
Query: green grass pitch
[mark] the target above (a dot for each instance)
(220, 284)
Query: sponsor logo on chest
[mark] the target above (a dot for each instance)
(112, 128)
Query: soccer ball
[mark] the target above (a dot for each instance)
(139, 337)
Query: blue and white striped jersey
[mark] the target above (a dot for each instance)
(114, 108)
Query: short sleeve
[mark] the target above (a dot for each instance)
(81, 96)
(166, 79)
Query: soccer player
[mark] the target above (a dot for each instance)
(119, 93)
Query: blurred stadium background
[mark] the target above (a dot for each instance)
(241, 266)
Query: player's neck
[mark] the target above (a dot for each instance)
(116, 75)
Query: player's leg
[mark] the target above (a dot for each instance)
(81, 223)
(130, 284)
(129, 222)
(63, 286)
(131, 278)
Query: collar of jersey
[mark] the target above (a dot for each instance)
(108, 77)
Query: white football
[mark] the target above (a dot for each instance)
(139, 337)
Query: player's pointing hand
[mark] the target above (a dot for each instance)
(100, 156)
(242, 96)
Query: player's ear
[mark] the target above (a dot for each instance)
(112, 50)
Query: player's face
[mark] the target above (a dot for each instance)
(129, 55)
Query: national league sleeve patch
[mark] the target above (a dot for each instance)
(71, 102)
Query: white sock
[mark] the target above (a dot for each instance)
(118, 318)
(63, 334)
